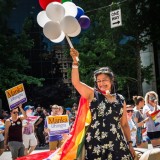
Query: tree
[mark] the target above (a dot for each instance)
(13, 63)
(44, 63)
(100, 45)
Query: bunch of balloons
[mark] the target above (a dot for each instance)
(61, 18)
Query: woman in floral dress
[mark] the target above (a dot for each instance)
(104, 137)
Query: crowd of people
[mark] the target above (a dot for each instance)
(21, 137)
(114, 130)
(142, 126)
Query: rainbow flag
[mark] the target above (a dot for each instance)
(156, 117)
(72, 148)
(36, 156)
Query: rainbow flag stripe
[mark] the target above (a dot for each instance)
(155, 117)
(72, 148)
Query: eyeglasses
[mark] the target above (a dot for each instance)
(15, 112)
(55, 108)
(103, 81)
(129, 111)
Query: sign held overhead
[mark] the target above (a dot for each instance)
(115, 18)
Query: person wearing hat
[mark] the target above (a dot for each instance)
(29, 138)
(13, 132)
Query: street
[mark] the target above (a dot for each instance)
(7, 154)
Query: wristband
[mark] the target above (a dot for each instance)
(128, 142)
(74, 66)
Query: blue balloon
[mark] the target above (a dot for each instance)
(80, 12)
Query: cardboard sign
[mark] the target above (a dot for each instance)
(58, 124)
(16, 96)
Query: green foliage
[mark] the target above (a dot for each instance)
(147, 73)
(100, 45)
(13, 63)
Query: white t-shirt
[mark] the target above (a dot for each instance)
(150, 126)
(132, 126)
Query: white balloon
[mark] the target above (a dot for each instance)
(52, 30)
(55, 11)
(70, 9)
(42, 18)
(59, 39)
(77, 32)
(69, 24)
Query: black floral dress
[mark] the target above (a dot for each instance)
(104, 138)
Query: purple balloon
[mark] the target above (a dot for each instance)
(84, 22)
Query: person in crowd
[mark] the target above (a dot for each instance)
(104, 137)
(132, 126)
(61, 110)
(71, 122)
(13, 132)
(139, 120)
(1, 137)
(5, 115)
(45, 112)
(29, 138)
(55, 141)
(151, 106)
(68, 112)
(74, 108)
(39, 126)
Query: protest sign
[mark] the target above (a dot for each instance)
(16, 96)
(58, 124)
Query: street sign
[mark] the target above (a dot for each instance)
(115, 18)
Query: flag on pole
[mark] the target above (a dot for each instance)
(156, 117)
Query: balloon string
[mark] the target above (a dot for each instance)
(69, 41)
(70, 44)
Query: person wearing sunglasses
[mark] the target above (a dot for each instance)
(151, 106)
(13, 132)
(132, 126)
(104, 138)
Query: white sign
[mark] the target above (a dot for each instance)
(115, 18)
(16, 96)
(58, 124)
